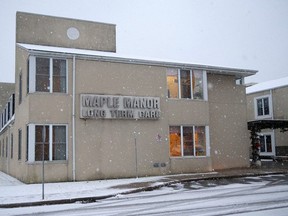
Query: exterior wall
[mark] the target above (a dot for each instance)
(105, 148)
(280, 111)
(229, 138)
(52, 31)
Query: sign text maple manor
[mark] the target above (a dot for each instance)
(119, 107)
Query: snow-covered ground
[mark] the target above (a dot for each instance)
(266, 195)
(13, 191)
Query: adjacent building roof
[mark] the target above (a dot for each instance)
(269, 85)
(115, 57)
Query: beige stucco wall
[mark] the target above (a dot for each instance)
(52, 31)
(106, 148)
(228, 127)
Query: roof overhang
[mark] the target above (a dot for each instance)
(115, 57)
(259, 125)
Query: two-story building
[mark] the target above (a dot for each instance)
(90, 113)
(269, 101)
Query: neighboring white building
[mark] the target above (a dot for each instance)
(269, 101)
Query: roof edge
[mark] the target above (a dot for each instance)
(115, 57)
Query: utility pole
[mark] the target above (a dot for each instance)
(43, 158)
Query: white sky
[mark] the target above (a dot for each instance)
(248, 34)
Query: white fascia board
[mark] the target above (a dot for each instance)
(115, 57)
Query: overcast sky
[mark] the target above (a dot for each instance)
(247, 34)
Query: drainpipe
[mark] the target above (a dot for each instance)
(73, 123)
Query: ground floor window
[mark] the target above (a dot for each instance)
(188, 141)
(267, 144)
(48, 142)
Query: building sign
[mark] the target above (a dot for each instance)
(119, 107)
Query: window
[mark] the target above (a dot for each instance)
(188, 141)
(48, 141)
(3, 148)
(6, 150)
(41, 143)
(189, 84)
(263, 107)
(47, 75)
(19, 143)
(172, 83)
(20, 87)
(267, 143)
(11, 141)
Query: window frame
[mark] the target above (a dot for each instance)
(20, 144)
(20, 97)
(32, 74)
(270, 115)
(207, 139)
(265, 134)
(32, 142)
(179, 83)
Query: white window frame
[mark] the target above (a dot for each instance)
(270, 107)
(207, 138)
(31, 141)
(205, 90)
(32, 74)
(272, 134)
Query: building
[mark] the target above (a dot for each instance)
(269, 101)
(90, 113)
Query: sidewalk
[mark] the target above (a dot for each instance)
(16, 194)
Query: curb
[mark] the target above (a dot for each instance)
(142, 189)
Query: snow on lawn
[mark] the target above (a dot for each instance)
(20, 193)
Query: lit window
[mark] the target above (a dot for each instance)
(172, 83)
(189, 84)
(263, 107)
(47, 75)
(48, 141)
(175, 141)
(188, 141)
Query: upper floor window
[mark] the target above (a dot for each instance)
(20, 87)
(189, 84)
(47, 74)
(263, 107)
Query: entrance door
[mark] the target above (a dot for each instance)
(267, 146)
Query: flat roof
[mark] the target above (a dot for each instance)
(268, 85)
(115, 57)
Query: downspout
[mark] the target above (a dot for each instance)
(73, 123)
